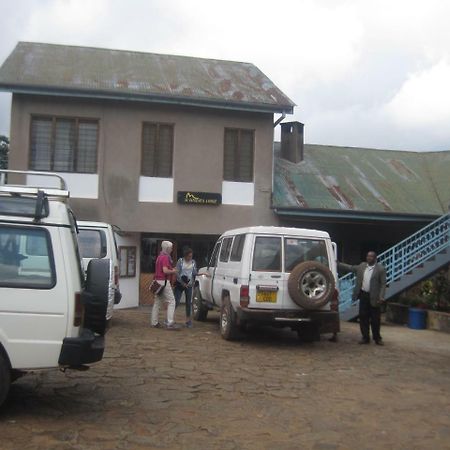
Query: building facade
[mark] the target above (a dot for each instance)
(161, 147)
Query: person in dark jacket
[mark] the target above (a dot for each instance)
(370, 287)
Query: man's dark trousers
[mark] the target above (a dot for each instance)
(369, 316)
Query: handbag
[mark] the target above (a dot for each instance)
(156, 288)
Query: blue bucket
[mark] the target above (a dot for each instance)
(417, 319)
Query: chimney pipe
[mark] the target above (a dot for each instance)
(292, 141)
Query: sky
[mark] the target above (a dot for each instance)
(364, 73)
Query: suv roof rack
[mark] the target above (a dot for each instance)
(62, 182)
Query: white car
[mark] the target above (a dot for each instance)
(97, 240)
(50, 314)
(285, 277)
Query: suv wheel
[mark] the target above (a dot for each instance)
(5, 378)
(311, 285)
(200, 312)
(228, 322)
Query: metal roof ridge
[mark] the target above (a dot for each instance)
(140, 52)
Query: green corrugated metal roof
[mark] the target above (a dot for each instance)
(360, 179)
(85, 71)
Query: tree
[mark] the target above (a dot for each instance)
(4, 150)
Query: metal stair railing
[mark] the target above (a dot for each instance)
(403, 257)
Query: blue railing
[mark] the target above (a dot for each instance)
(404, 256)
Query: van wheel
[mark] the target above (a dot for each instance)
(228, 321)
(308, 332)
(5, 378)
(200, 312)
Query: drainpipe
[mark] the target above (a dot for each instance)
(281, 118)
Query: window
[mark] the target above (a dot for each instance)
(238, 247)
(92, 243)
(225, 250)
(157, 150)
(63, 144)
(238, 155)
(267, 254)
(213, 260)
(298, 250)
(127, 262)
(34, 270)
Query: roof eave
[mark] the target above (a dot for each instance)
(149, 98)
(354, 215)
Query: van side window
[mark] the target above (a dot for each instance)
(267, 254)
(213, 259)
(35, 270)
(225, 250)
(238, 247)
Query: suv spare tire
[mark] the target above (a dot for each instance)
(311, 285)
(96, 295)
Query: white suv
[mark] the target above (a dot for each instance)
(97, 240)
(271, 275)
(50, 315)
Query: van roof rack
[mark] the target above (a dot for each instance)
(62, 182)
(29, 201)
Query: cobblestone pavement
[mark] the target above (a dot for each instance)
(192, 390)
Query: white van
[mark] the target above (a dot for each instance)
(286, 277)
(50, 314)
(97, 240)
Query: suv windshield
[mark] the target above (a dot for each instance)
(298, 250)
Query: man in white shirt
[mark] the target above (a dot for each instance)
(370, 287)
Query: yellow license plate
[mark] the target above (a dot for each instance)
(266, 296)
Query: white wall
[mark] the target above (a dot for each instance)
(155, 189)
(130, 286)
(237, 193)
(80, 185)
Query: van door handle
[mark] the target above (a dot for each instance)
(275, 276)
(235, 280)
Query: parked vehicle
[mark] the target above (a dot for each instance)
(97, 240)
(285, 277)
(50, 314)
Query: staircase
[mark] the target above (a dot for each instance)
(408, 262)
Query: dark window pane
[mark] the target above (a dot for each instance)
(26, 258)
(267, 254)
(225, 250)
(238, 155)
(63, 159)
(230, 151)
(298, 250)
(92, 243)
(63, 145)
(238, 247)
(164, 155)
(87, 147)
(148, 149)
(157, 150)
(41, 144)
(246, 156)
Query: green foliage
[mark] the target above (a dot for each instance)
(4, 150)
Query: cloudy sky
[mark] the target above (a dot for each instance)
(373, 73)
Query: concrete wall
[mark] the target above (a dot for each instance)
(129, 287)
(198, 163)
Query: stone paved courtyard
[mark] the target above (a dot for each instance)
(192, 390)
